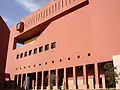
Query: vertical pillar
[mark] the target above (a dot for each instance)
(56, 79)
(42, 81)
(74, 77)
(96, 76)
(21, 80)
(26, 81)
(84, 77)
(64, 84)
(103, 82)
(36, 80)
(49, 79)
(17, 79)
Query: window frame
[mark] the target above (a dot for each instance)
(41, 49)
(46, 47)
(35, 51)
(53, 45)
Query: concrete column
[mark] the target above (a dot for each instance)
(56, 78)
(96, 76)
(103, 82)
(64, 83)
(84, 77)
(74, 77)
(48, 79)
(42, 83)
(17, 79)
(21, 80)
(26, 81)
(36, 80)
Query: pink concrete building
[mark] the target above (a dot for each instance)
(69, 40)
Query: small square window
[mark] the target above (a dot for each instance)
(46, 63)
(46, 47)
(53, 45)
(20, 67)
(35, 50)
(69, 58)
(39, 64)
(60, 60)
(52, 61)
(29, 66)
(24, 67)
(78, 56)
(16, 68)
(17, 56)
(41, 49)
(21, 55)
(30, 52)
(25, 54)
(89, 54)
(34, 66)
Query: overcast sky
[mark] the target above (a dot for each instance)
(14, 10)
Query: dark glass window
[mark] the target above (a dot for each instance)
(21, 55)
(60, 60)
(52, 61)
(30, 52)
(69, 58)
(78, 56)
(17, 56)
(25, 54)
(35, 50)
(89, 54)
(46, 63)
(39, 64)
(46, 47)
(41, 49)
(53, 45)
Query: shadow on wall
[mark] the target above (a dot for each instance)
(4, 38)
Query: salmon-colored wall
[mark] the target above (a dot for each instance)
(4, 38)
(92, 28)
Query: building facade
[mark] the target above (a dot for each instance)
(4, 38)
(65, 44)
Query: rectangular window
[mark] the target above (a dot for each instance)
(41, 49)
(55, 6)
(52, 9)
(35, 50)
(69, 1)
(49, 10)
(21, 55)
(30, 52)
(46, 12)
(59, 5)
(62, 3)
(25, 54)
(41, 14)
(53, 45)
(46, 47)
(17, 56)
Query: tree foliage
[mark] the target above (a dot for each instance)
(110, 75)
